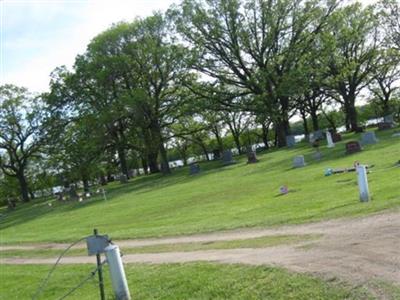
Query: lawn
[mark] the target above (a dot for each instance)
(219, 198)
(177, 281)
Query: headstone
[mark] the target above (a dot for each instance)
(385, 126)
(216, 154)
(227, 157)
(251, 157)
(290, 141)
(336, 137)
(353, 147)
(316, 135)
(329, 140)
(299, 161)
(368, 138)
(123, 178)
(317, 155)
(194, 169)
(388, 119)
(131, 173)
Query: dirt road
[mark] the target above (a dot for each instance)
(358, 249)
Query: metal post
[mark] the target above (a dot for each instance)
(101, 283)
(363, 183)
(117, 273)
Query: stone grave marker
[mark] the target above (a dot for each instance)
(388, 119)
(385, 126)
(329, 140)
(123, 178)
(317, 155)
(336, 137)
(368, 138)
(290, 141)
(316, 135)
(299, 162)
(227, 157)
(194, 169)
(251, 157)
(353, 147)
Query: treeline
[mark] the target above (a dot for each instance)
(184, 80)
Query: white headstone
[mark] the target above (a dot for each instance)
(329, 140)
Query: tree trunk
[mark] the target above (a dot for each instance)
(305, 125)
(314, 119)
(236, 139)
(122, 161)
(280, 134)
(353, 117)
(219, 139)
(265, 135)
(153, 165)
(85, 184)
(145, 166)
(23, 187)
(164, 160)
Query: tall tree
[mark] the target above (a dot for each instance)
(351, 46)
(254, 46)
(21, 133)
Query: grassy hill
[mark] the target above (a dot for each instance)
(220, 197)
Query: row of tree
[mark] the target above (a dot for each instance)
(204, 69)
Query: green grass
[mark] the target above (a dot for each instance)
(177, 281)
(219, 198)
(261, 242)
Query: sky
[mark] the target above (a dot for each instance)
(36, 36)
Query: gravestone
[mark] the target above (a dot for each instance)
(336, 137)
(329, 140)
(216, 154)
(385, 126)
(194, 169)
(388, 119)
(299, 161)
(227, 157)
(317, 155)
(131, 173)
(316, 135)
(251, 157)
(123, 178)
(290, 141)
(368, 138)
(353, 147)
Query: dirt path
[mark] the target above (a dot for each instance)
(357, 249)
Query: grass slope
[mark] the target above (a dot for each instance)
(220, 198)
(177, 281)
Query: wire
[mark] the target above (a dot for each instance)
(45, 281)
(92, 274)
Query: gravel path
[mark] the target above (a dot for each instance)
(357, 249)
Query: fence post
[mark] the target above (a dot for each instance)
(117, 273)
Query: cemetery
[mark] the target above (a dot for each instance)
(200, 150)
